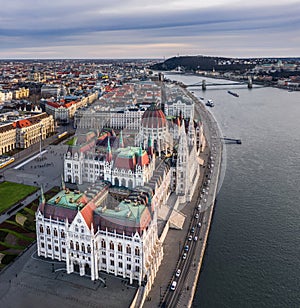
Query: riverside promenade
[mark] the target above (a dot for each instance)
(160, 294)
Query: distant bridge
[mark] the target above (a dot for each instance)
(204, 85)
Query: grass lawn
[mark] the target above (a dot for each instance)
(72, 141)
(11, 193)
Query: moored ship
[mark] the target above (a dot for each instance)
(233, 93)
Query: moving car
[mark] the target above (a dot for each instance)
(173, 285)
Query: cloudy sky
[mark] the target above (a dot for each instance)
(149, 29)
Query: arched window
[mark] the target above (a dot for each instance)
(76, 228)
(120, 247)
(82, 247)
(71, 245)
(130, 184)
(116, 182)
(77, 246)
(55, 232)
(128, 249)
(62, 234)
(111, 246)
(82, 229)
(103, 244)
(123, 182)
(41, 229)
(48, 230)
(89, 249)
(137, 251)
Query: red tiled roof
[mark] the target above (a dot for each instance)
(22, 123)
(125, 163)
(88, 213)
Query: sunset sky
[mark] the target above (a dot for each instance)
(149, 29)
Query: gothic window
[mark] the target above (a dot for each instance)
(89, 248)
(112, 262)
(48, 230)
(128, 249)
(137, 268)
(82, 247)
(120, 247)
(137, 251)
(103, 244)
(41, 229)
(71, 245)
(116, 182)
(111, 246)
(130, 184)
(129, 266)
(120, 264)
(77, 246)
(123, 182)
(82, 229)
(76, 228)
(55, 232)
(62, 234)
(104, 260)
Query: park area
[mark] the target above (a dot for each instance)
(18, 232)
(11, 193)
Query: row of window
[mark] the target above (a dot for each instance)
(77, 247)
(55, 231)
(120, 257)
(63, 250)
(119, 247)
(120, 264)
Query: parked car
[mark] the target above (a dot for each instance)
(178, 272)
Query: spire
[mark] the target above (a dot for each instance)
(140, 155)
(63, 185)
(42, 197)
(150, 145)
(108, 154)
(121, 142)
(191, 132)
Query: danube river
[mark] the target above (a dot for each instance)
(253, 253)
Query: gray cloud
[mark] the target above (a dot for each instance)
(38, 24)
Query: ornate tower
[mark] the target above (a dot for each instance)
(191, 133)
(182, 167)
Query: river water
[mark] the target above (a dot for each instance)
(253, 253)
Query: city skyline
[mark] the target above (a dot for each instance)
(119, 29)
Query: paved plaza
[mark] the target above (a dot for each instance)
(32, 282)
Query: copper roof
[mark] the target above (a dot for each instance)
(154, 117)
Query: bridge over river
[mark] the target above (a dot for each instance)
(204, 85)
